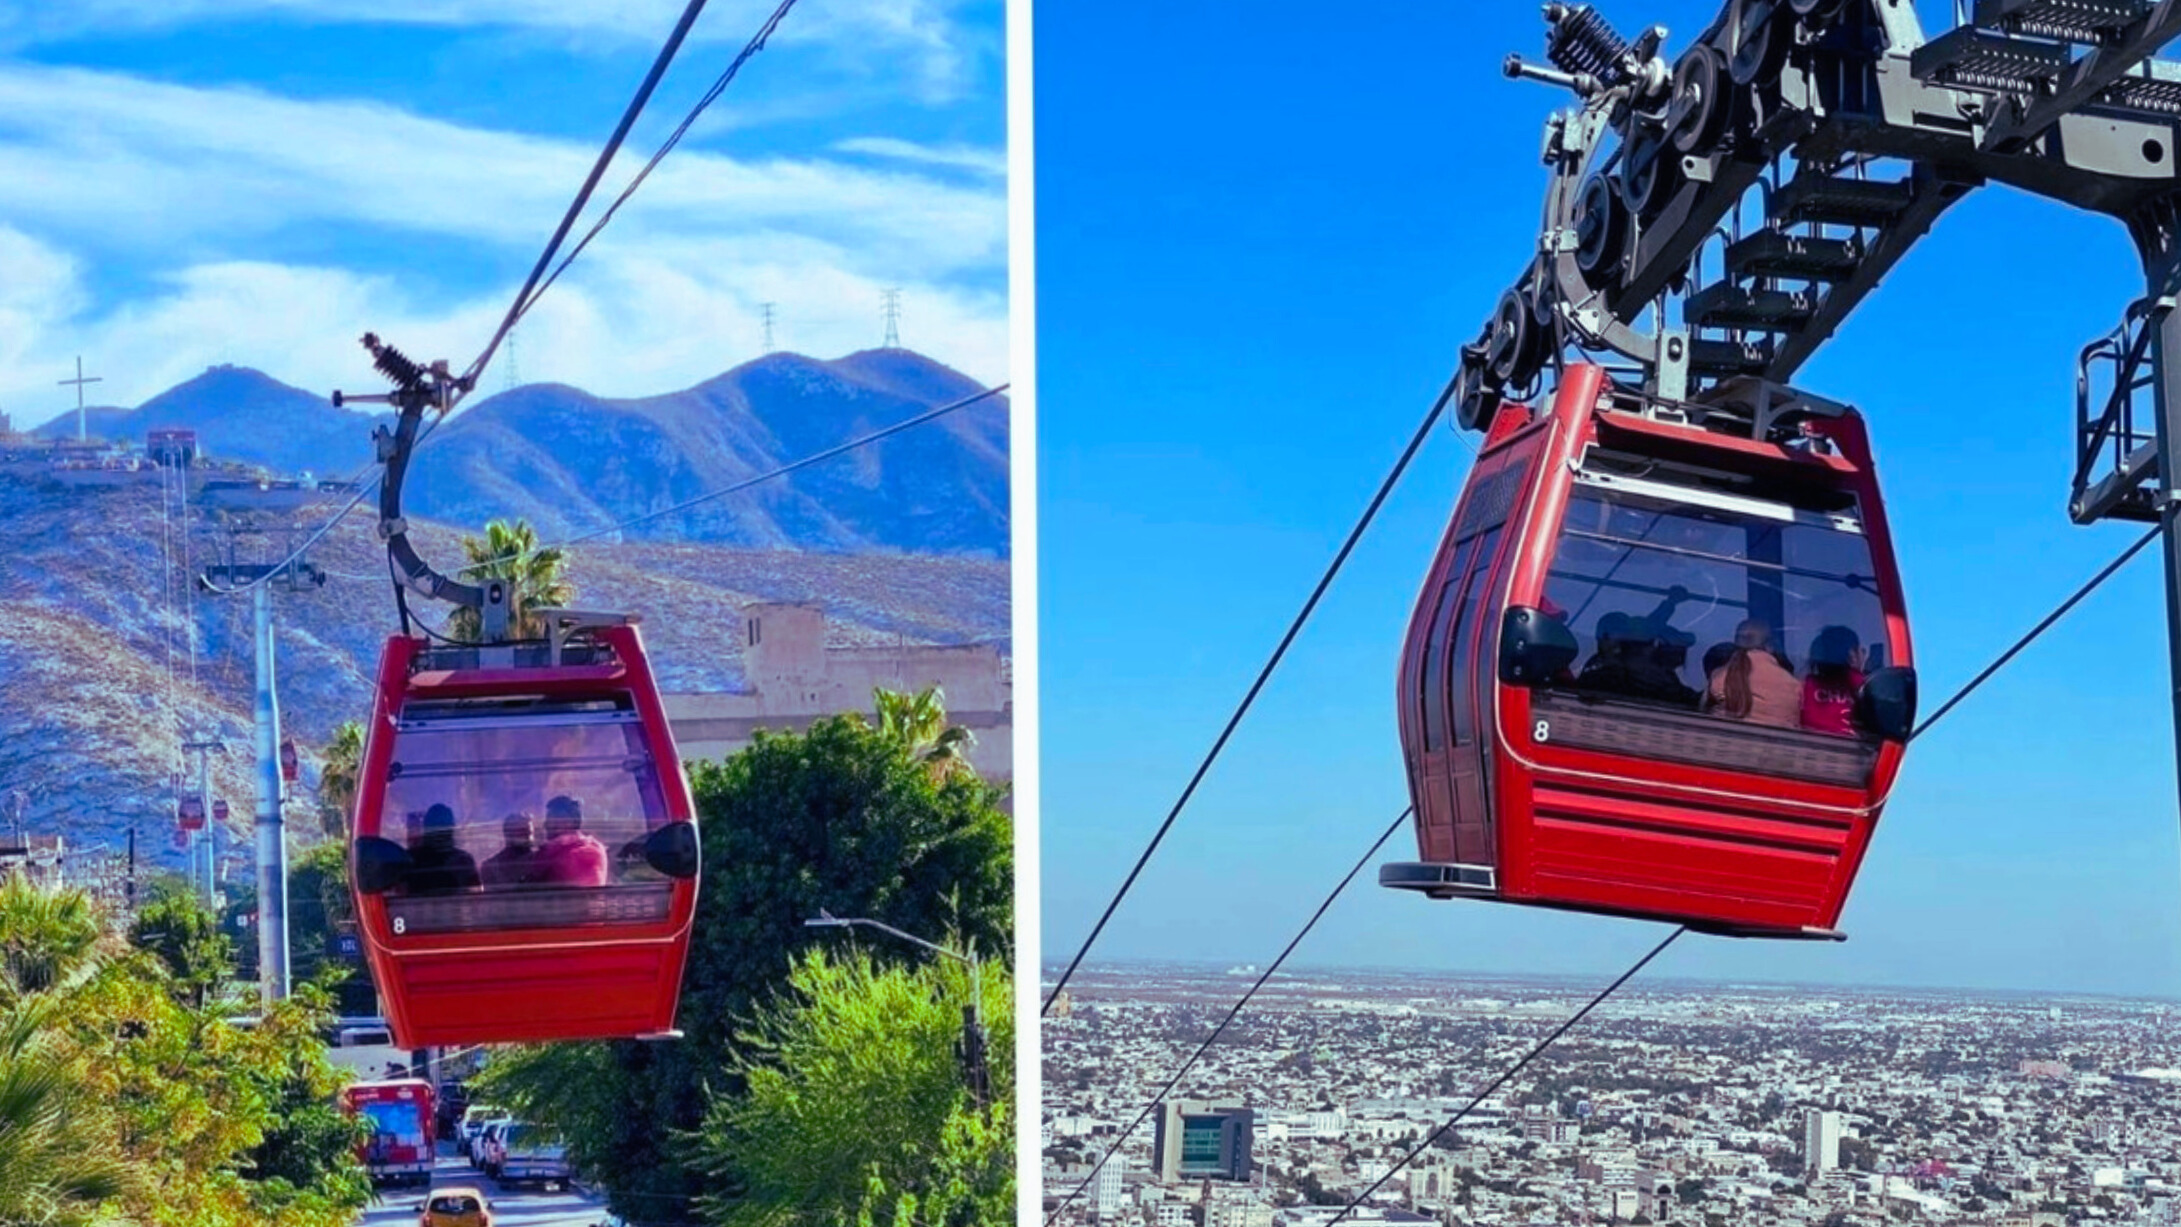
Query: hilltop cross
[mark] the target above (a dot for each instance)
(80, 380)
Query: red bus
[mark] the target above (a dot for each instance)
(399, 1150)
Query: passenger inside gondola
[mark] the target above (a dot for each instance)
(437, 866)
(1752, 683)
(518, 863)
(1638, 658)
(1837, 658)
(571, 858)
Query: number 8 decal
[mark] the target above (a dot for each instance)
(401, 924)
(1542, 732)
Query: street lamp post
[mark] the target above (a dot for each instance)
(971, 1049)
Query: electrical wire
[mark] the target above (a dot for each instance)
(1209, 1040)
(1325, 581)
(1535, 1051)
(838, 449)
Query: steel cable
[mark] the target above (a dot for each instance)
(1264, 675)
(1209, 1040)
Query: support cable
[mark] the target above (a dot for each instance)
(2058, 612)
(1264, 675)
(1535, 1051)
(1121, 1139)
(755, 45)
(532, 287)
(636, 105)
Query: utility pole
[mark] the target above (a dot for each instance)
(768, 327)
(272, 851)
(892, 298)
(80, 380)
(971, 1048)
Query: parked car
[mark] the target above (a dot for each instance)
(474, 1119)
(455, 1206)
(480, 1147)
(530, 1154)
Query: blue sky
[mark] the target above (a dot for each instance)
(259, 181)
(1259, 244)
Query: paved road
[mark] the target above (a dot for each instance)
(523, 1207)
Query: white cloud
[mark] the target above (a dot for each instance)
(984, 161)
(926, 38)
(116, 174)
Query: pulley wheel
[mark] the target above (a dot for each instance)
(1702, 96)
(1475, 399)
(1517, 344)
(1647, 171)
(1601, 228)
(1759, 43)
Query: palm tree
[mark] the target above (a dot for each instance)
(47, 937)
(343, 758)
(58, 1161)
(536, 578)
(919, 722)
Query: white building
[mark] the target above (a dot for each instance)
(793, 678)
(1820, 1140)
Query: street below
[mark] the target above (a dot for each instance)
(524, 1206)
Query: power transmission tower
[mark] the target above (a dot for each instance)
(893, 318)
(80, 380)
(768, 327)
(512, 377)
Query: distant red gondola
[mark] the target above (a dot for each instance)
(1660, 667)
(189, 814)
(219, 809)
(525, 856)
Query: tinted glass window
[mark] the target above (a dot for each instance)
(518, 823)
(1434, 714)
(1480, 566)
(399, 1117)
(1664, 595)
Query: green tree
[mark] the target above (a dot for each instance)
(844, 818)
(185, 935)
(919, 721)
(856, 1110)
(341, 767)
(537, 578)
(57, 1164)
(46, 936)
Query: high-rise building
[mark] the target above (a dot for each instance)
(1199, 1139)
(1106, 1189)
(1820, 1140)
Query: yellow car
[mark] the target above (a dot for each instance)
(456, 1206)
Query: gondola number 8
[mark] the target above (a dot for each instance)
(401, 923)
(1542, 731)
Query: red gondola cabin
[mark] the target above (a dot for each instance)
(525, 855)
(1660, 667)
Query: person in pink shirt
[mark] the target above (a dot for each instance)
(570, 857)
(1836, 676)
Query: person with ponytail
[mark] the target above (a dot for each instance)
(1753, 685)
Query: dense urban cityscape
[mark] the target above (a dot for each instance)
(1674, 1103)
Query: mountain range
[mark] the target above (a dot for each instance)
(574, 463)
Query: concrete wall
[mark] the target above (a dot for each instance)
(794, 679)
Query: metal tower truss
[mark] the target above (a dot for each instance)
(1713, 220)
